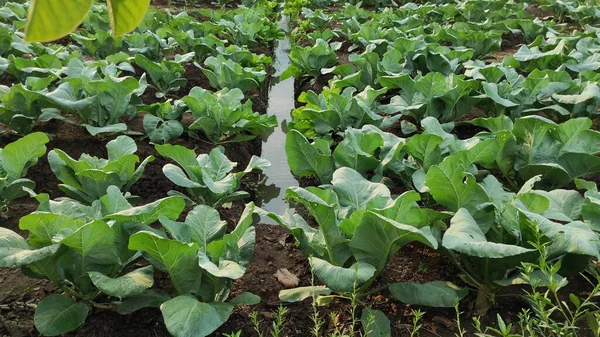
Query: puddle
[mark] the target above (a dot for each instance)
(281, 102)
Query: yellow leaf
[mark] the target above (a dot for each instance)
(50, 20)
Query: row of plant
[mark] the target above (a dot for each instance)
(417, 74)
(95, 246)
(508, 205)
(55, 82)
(99, 244)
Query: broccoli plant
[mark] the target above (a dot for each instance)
(208, 178)
(221, 116)
(83, 251)
(15, 159)
(202, 261)
(88, 178)
(162, 121)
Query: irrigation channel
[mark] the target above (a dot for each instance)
(281, 103)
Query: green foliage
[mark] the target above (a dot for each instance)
(226, 73)
(202, 262)
(360, 227)
(22, 107)
(309, 61)
(15, 159)
(83, 251)
(221, 116)
(162, 121)
(51, 20)
(208, 178)
(369, 151)
(88, 178)
(100, 102)
(167, 75)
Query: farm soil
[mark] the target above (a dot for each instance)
(275, 248)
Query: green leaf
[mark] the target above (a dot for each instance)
(375, 323)
(302, 293)
(169, 207)
(119, 147)
(17, 156)
(161, 131)
(14, 250)
(43, 227)
(92, 249)
(178, 259)
(307, 159)
(465, 236)
(245, 298)
(147, 299)
(125, 15)
(130, 284)
(438, 294)
(355, 191)
(113, 128)
(187, 317)
(377, 238)
(59, 314)
(225, 269)
(52, 19)
(342, 279)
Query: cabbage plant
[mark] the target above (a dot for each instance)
(202, 261)
(83, 251)
(222, 116)
(208, 178)
(359, 228)
(88, 178)
(15, 159)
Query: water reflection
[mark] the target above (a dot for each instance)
(281, 102)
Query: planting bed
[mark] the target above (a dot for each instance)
(444, 165)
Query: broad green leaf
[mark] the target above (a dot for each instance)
(130, 284)
(17, 156)
(308, 159)
(433, 294)
(187, 317)
(125, 15)
(120, 146)
(375, 323)
(245, 298)
(59, 314)
(44, 226)
(148, 298)
(15, 252)
(92, 249)
(355, 191)
(52, 19)
(377, 238)
(322, 204)
(169, 207)
(225, 268)
(465, 236)
(342, 279)
(161, 131)
(425, 148)
(113, 128)
(180, 260)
